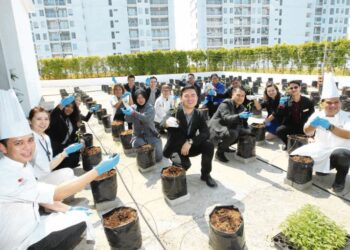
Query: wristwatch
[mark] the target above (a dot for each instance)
(190, 141)
(331, 127)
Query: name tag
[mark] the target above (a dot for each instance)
(305, 110)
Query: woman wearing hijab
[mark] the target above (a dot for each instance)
(62, 131)
(43, 162)
(142, 117)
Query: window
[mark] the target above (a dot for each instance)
(346, 20)
(225, 31)
(331, 20)
(346, 11)
(112, 24)
(75, 47)
(253, 40)
(39, 1)
(44, 36)
(37, 36)
(147, 21)
(140, 21)
(345, 30)
(41, 12)
(70, 12)
(332, 2)
(113, 35)
(111, 13)
(114, 46)
(329, 30)
(109, 2)
(47, 47)
(337, 10)
(69, 1)
(43, 24)
(225, 41)
(146, 11)
(35, 25)
(71, 23)
(73, 35)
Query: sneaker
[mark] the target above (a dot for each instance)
(209, 180)
(338, 187)
(220, 156)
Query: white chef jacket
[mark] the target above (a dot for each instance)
(41, 163)
(162, 106)
(325, 141)
(20, 195)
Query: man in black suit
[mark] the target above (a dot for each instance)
(130, 87)
(293, 111)
(188, 134)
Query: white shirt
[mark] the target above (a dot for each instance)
(41, 161)
(19, 209)
(162, 106)
(113, 101)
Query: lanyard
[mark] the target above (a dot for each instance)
(46, 149)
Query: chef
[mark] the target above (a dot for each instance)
(331, 127)
(20, 194)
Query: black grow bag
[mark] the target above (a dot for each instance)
(124, 237)
(246, 146)
(104, 189)
(226, 241)
(100, 113)
(258, 131)
(126, 139)
(106, 120)
(146, 157)
(88, 139)
(345, 105)
(174, 186)
(90, 161)
(117, 129)
(298, 172)
(296, 141)
(82, 128)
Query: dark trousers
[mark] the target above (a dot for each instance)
(231, 137)
(206, 149)
(212, 108)
(340, 160)
(66, 239)
(71, 161)
(283, 130)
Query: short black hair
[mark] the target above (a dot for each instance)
(214, 75)
(187, 87)
(4, 142)
(131, 76)
(153, 77)
(294, 82)
(191, 74)
(234, 90)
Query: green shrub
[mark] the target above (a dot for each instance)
(309, 228)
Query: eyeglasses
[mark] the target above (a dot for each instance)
(295, 87)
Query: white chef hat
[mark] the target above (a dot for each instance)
(329, 89)
(13, 122)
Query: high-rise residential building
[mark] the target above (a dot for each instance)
(63, 28)
(251, 23)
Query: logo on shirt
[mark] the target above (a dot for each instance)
(21, 181)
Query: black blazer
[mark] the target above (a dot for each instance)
(199, 131)
(284, 114)
(132, 91)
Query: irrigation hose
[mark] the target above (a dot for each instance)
(129, 192)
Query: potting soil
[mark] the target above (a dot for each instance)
(120, 217)
(105, 175)
(302, 159)
(226, 220)
(173, 171)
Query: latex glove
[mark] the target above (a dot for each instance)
(171, 122)
(107, 165)
(324, 123)
(93, 109)
(148, 81)
(211, 92)
(244, 115)
(204, 102)
(73, 148)
(126, 94)
(67, 100)
(81, 209)
(127, 111)
(283, 100)
(114, 80)
(315, 122)
(251, 97)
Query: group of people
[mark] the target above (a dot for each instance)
(38, 156)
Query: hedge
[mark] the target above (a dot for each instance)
(304, 58)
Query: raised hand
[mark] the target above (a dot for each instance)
(245, 115)
(127, 111)
(67, 100)
(107, 165)
(73, 148)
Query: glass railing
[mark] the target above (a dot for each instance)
(159, 23)
(131, 1)
(159, 1)
(159, 12)
(214, 1)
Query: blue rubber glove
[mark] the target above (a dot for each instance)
(211, 92)
(107, 165)
(148, 81)
(127, 111)
(315, 122)
(245, 115)
(114, 80)
(126, 94)
(81, 209)
(324, 123)
(73, 148)
(204, 102)
(283, 100)
(94, 108)
(67, 100)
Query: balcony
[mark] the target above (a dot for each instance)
(158, 22)
(133, 22)
(134, 44)
(214, 1)
(134, 34)
(131, 1)
(214, 12)
(54, 2)
(160, 34)
(160, 44)
(132, 11)
(162, 11)
(158, 1)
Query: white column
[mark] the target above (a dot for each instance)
(18, 52)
